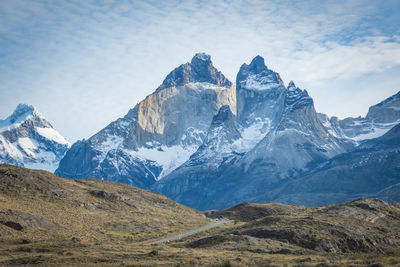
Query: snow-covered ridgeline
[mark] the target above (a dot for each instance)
(28, 139)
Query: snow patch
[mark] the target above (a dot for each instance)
(375, 132)
(169, 158)
(27, 145)
(203, 86)
(260, 82)
(44, 160)
(7, 148)
(110, 143)
(252, 135)
(51, 134)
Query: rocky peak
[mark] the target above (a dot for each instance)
(257, 76)
(291, 86)
(200, 69)
(23, 115)
(224, 115)
(201, 58)
(296, 97)
(21, 112)
(260, 93)
(257, 65)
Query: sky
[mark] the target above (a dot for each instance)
(83, 64)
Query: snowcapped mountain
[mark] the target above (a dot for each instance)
(379, 120)
(275, 136)
(28, 139)
(208, 144)
(158, 134)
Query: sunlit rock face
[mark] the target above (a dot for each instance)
(158, 134)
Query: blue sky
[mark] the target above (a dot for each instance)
(83, 64)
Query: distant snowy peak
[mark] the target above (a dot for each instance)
(257, 76)
(20, 115)
(380, 119)
(28, 139)
(200, 69)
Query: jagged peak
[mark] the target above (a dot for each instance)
(291, 86)
(256, 66)
(258, 61)
(257, 76)
(202, 57)
(295, 95)
(21, 112)
(23, 108)
(200, 69)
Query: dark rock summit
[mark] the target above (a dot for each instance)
(200, 69)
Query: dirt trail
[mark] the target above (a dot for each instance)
(190, 232)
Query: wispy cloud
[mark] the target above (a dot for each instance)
(84, 63)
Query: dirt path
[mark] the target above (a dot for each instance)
(190, 232)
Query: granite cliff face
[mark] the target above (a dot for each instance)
(158, 134)
(28, 139)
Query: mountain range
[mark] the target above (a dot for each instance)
(210, 144)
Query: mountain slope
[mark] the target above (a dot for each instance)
(158, 134)
(81, 221)
(367, 171)
(28, 139)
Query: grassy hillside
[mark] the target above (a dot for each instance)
(76, 221)
(49, 221)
